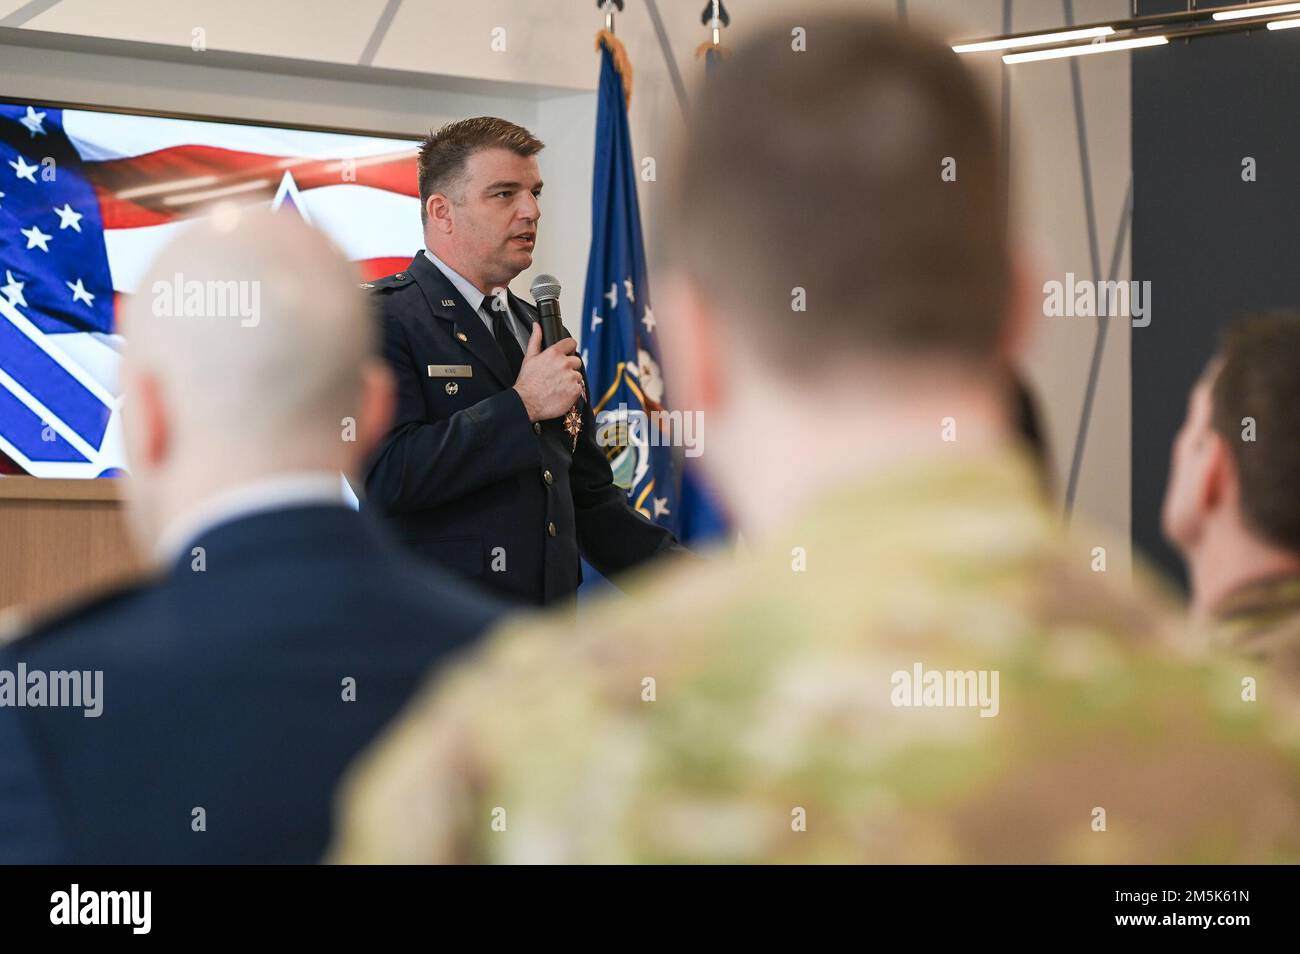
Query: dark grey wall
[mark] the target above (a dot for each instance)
(1212, 245)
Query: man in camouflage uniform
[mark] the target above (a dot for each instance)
(908, 663)
(1233, 503)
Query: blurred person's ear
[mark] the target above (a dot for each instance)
(1200, 472)
(152, 428)
(694, 347)
(1218, 488)
(377, 401)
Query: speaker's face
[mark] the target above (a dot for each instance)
(495, 222)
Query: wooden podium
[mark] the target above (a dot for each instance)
(60, 539)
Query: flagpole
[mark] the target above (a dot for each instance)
(715, 17)
(616, 49)
(608, 7)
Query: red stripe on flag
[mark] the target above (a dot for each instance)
(171, 176)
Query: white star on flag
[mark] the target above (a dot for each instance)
(627, 283)
(595, 319)
(649, 319)
(33, 121)
(2, 195)
(79, 293)
(661, 506)
(24, 170)
(68, 218)
(36, 238)
(612, 295)
(13, 290)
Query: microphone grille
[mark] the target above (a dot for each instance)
(545, 286)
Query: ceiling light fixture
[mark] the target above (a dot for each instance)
(1084, 49)
(1035, 39)
(1134, 32)
(1260, 10)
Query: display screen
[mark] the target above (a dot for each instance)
(88, 198)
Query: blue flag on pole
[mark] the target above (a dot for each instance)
(620, 347)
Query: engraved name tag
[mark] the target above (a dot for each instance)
(451, 370)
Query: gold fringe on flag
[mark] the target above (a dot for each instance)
(710, 45)
(621, 63)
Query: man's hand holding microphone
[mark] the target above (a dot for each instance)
(549, 381)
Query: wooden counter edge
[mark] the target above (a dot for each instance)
(38, 488)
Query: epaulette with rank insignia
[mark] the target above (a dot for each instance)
(389, 281)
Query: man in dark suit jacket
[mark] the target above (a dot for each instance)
(214, 707)
(479, 472)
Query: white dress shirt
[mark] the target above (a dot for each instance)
(280, 492)
(475, 298)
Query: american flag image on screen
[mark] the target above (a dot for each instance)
(88, 198)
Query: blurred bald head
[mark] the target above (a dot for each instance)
(250, 352)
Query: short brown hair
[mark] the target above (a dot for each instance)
(1259, 378)
(822, 170)
(444, 152)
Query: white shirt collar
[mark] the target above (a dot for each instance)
(278, 492)
(463, 285)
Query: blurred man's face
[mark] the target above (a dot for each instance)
(1194, 453)
(495, 217)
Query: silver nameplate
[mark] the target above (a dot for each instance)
(451, 370)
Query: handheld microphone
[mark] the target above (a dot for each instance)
(546, 292)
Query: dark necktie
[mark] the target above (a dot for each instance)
(506, 342)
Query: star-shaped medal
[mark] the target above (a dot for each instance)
(573, 425)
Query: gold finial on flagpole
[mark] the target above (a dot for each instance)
(715, 17)
(616, 49)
